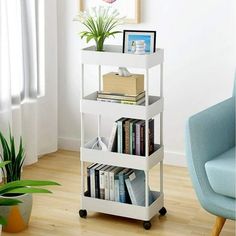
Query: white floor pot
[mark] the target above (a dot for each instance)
(17, 216)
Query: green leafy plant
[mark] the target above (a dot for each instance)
(11, 166)
(20, 187)
(12, 171)
(100, 23)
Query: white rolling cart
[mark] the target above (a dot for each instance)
(113, 56)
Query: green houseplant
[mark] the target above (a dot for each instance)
(16, 194)
(100, 23)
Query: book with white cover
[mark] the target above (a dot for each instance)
(107, 183)
(102, 181)
(135, 183)
(112, 174)
(112, 141)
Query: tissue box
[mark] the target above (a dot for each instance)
(132, 85)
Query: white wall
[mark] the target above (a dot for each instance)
(47, 105)
(199, 64)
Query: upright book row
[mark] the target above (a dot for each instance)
(128, 136)
(117, 184)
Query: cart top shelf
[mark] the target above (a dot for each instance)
(113, 56)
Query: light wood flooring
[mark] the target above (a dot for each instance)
(57, 214)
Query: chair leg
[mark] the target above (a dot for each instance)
(219, 223)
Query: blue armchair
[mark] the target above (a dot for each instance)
(210, 151)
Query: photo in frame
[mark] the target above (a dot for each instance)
(139, 42)
(129, 9)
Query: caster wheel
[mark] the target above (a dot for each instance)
(82, 213)
(163, 211)
(147, 225)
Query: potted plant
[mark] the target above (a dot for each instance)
(15, 216)
(100, 23)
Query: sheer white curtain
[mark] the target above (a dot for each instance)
(19, 74)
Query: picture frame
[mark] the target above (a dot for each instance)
(139, 41)
(132, 12)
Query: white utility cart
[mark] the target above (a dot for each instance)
(113, 56)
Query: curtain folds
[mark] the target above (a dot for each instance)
(19, 73)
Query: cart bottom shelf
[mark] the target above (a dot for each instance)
(124, 210)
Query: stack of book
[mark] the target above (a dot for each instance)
(121, 98)
(128, 136)
(122, 89)
(117, 184)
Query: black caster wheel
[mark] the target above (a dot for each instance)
(147, 225)
(163, 211)
(82, 213)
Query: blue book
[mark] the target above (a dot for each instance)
(117, 187)
(122, 188)
(135, 182)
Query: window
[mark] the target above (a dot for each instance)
(22, 49)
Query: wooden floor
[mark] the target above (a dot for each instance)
(57, 214)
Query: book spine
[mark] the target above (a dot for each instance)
(151, 136)
(112, 137)
(119, 136)
(107, 193)
(117, 189)
(122, 188)
(102, 184)
(131, 193)
(127, 137)
(92, 182)
(112, 186)
(123, 138)
(108, 100)
(128, 102)
(142, 139)
(88, 182)
(137, 139)
(97, 184)
(133, 138)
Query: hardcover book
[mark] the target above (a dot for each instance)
(112, 174)
(122, 188)
(120, 135)
(139, 102)
(97, 184)
(137, 137)
(127, 136)
(102, 181)
(112, 144)
(123, 97)
(88, 179)
(92, 180)
(135, 183)
(117, 188)
(107, 183)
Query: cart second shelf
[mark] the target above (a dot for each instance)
(90, 105)
(121, 159)
(125, 210)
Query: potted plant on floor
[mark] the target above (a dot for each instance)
(15, 217)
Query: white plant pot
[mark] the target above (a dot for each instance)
(17, 216)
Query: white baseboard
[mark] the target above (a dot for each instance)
(171, 158)
(70, 144)
(175, 159)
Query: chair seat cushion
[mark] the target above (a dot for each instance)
(221, 173)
